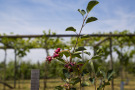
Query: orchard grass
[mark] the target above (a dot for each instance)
(51, 83)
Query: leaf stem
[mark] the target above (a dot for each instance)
(83, 24)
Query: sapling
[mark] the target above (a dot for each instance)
(73, 71)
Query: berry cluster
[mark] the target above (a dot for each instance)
(55, 54)
(70, 66)
(49, 58)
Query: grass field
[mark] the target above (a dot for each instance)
(51, 83)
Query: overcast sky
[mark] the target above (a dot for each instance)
(34, 16)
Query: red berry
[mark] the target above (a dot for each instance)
(55, 55)
(49, 58)
(58, 49)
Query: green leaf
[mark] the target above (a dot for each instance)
(71, 29)
(75, 80)
(85, 84)
(76, 54)
(95, 57)
(110, 74)
(90, 5)
(66, 53)
(82, 12)
(60, 60)
(88, 53)
(80, 49)
(91, 19)
(83, 67)
(92, 80)
(85, 36)
(99, 52)
(80, 62)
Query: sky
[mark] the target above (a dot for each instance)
(33, 16)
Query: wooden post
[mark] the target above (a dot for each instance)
(35, 79)
(111, 62)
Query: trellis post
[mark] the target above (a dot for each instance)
(35, 79)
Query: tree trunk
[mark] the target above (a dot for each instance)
(111, 62)
(4, 88)
(45, 70)
(15, 70)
